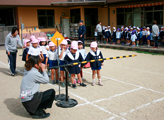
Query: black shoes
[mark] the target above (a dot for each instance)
(40, 114)
(74, 85)
(83, 85)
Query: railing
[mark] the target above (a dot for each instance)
(4, 30)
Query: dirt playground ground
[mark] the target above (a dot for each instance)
(133, 90)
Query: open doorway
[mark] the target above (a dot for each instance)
(91, 19)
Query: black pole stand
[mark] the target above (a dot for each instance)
(60, 96)
(67, 103)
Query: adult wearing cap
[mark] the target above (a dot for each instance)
(155, 33)
(81, 32)
(11, 41)
(99, 30)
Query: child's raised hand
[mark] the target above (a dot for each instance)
(63, 49)
(102, 64)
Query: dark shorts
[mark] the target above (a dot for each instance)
(44, 62)
(62, 63)
(96, 68)
(148, 38)
(53, 63)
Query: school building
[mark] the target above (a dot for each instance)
(46, 16)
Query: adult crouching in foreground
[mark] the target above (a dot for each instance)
(33, 100)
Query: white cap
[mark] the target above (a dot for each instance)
(131, 28)
(114, 28)
(126, 28)
(161, 27)
(147, 28)
(108, 26)
(138, 28)
(134, 26)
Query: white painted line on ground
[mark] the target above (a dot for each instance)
(114, 115)
(138, 70)
(117, 95)
(127, 83)
(142, 106)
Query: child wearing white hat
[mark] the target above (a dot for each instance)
(35, 50)
(51, 59)
(95, 54)
(83, 53)
(43, 45)
(72, 57)
(148, 36)
(27, 45)
(63, 51)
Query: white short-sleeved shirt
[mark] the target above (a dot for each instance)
(64, 54)
(43, 48)
(133, 37)
(34, 51)
(52, 55)
(148, 33)
(118, 35)
(47, 47)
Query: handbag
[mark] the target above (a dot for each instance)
(87, 65)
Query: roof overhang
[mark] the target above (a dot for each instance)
(86, 3)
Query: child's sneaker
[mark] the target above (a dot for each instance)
(74, 85)
(57, 81)
(100, 83)
(82, 84)
(78, 81)
(49, 74)
(69, 83)
(93, 83)
(63, 84)
(53, 82)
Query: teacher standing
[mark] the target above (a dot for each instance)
(155, 33)
(99, 30)
(81, 32)
(11, 41)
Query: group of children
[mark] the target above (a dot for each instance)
(69, 52)
(129, 35)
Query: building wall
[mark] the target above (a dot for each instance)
(103, 16)
(113, 17)
(30, 19)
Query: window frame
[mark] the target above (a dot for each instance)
(144, 15)
(53, 16)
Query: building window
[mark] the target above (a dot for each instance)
(128, 19)
(46, 18)
(158, 16)
(138, 19)
(140, 16)
(120, 19)
(75, 15)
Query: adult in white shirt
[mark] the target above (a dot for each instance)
(155, 33)
(99, 30)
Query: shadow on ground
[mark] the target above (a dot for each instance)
(15, 106)
(6, 71)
